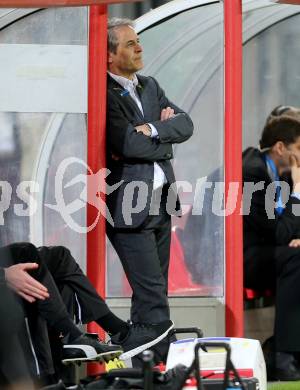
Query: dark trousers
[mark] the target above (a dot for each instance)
(278, 267)
(33, 334)
(70, 292)
(144, 253)
(52, 309)
(13, 367)
(78, 294)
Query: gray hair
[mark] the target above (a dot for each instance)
(112, 40)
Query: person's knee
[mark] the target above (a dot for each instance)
(24, 252)
(60, 252)
(58, 258)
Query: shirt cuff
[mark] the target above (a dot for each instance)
(296, 195)
(154, 132)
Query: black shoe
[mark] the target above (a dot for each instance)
(279, 374)
(88, 348)
(141, 337)
(285, 368)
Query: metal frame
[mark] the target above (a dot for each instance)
(57, 3)
(234, 316)
(8, 16)
(96, 242)
(294, 2)
(39, 173)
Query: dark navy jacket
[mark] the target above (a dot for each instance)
(138, 152)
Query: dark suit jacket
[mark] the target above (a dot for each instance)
(266, 235)
(137, 151)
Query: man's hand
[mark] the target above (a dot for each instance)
(295, 172)
(23, 284)
(167, 113)
(145, 129)
(295, 243)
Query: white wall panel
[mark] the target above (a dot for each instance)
(43, 78)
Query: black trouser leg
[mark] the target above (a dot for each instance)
(163, 239)
(74, 286)
(53, 308)
(287, 322)
(33, 333)
(267, 266)
(146, 265)
(13, 367)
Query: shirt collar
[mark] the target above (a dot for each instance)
(124, 82)
(272, 170)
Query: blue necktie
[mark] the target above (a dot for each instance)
(279, 205)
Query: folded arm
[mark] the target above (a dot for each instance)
(175, 128)
(127, 142)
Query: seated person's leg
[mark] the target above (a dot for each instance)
(267, 267)
(53, 310)
(134, 338)
(13, 368)
(33, 338)
(287, 320)
(74, 286)
(71, 280)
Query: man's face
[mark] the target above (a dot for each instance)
(291, 149)
(128, 58)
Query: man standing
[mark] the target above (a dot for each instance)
(142, 125)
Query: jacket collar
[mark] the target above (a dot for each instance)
(120, 91)
(124, 82)
(113, 84)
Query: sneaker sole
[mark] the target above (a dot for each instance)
(105, 356)
(141, 348)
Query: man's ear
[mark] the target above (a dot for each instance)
(109, 57)
(279, 147)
